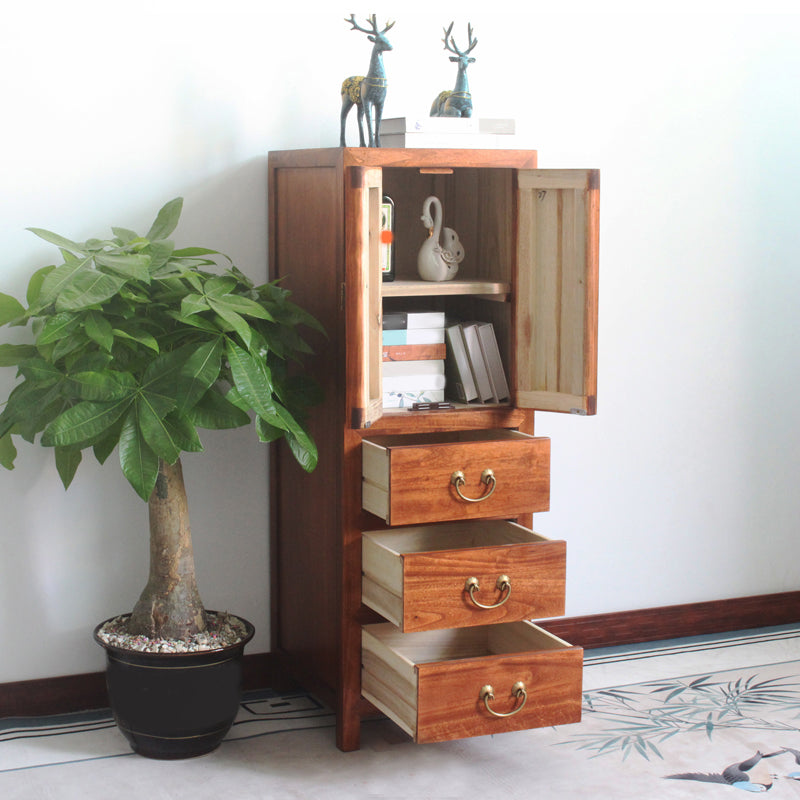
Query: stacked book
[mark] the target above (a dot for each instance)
(470, 132)
(413, 358)
(473, 367)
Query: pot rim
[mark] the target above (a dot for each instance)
(114, 648)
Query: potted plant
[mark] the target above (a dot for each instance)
(135, 346)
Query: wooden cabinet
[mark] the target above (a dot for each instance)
(396, 584)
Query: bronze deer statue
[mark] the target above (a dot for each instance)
(458, 102)
(367, 92)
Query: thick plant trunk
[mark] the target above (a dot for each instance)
(170, 605)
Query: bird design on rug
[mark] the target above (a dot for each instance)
(749, 775)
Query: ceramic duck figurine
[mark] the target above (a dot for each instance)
(438, 261)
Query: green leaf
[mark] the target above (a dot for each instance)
(233, 321)
(41, 372)
(138, 335)
(87, 289)
(10, 308)
(251, 381)
(156, 433)
(166, 221)
(57, 327)
(69, 344)
(303, 449)
(301, 444)
(267, 433)
(13, 354)
(192, 252)
(220, 285)
(125, 235)
(183, 433)
(160, 252)
(84, 423)
(67, 461)
(199, 374)
(193, 304)
(139, 463)
(133, 265)
(99, 330)
(242, 305)
(201, 323)
(59, 278)
(57, 239)
(35, 284)
(7, 451)
(103, 386)
(214, 412)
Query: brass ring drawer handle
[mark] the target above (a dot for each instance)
(517, 690)
(487, 477)
(503, 585)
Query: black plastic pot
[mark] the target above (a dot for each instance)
(174, 705)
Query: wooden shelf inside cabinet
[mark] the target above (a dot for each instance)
(488, 289)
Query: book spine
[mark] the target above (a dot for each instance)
(460, 381)
(420, 336)
(414, 352)
(477, 363)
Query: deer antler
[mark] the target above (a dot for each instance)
(372, 21)
(450, 42)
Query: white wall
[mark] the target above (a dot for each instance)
(681, 489)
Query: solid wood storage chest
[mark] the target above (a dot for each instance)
(405, 571)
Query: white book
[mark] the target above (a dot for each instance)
(407, 399)
(396, 369)
(460, 381)
(477, 363)
(448, 141)
(494, 364)
(425, 319)
(447, 125)
(412, 383)
(413, 336)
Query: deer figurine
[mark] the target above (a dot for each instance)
(458, 102)
(368, 92)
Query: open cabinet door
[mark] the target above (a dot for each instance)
(363, 192)
(556, 290)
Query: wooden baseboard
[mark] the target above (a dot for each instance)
(79, 692)
(673, 622)
(65, 694)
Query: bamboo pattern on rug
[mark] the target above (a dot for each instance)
(650, 721)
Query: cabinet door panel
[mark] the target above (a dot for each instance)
(556, 296)
(362, 209)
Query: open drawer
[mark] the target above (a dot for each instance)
(453, 475)
(456, 574)
(451, 684)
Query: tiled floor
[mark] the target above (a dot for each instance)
(283, 747)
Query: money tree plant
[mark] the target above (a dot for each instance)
(135, 346)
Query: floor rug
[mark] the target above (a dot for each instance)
(701, 718)
(713, 731)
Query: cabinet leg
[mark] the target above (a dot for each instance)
(348, 732)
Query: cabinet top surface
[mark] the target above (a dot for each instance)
(403, 157)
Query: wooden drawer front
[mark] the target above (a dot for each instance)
(408, 479)
(417, 577)
(430, 683)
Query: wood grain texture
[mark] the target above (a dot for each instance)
(556, 298)
(416, 577)
(420, 490)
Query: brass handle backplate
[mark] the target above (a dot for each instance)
(503, 584)
(517, 690)
(457, 479)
